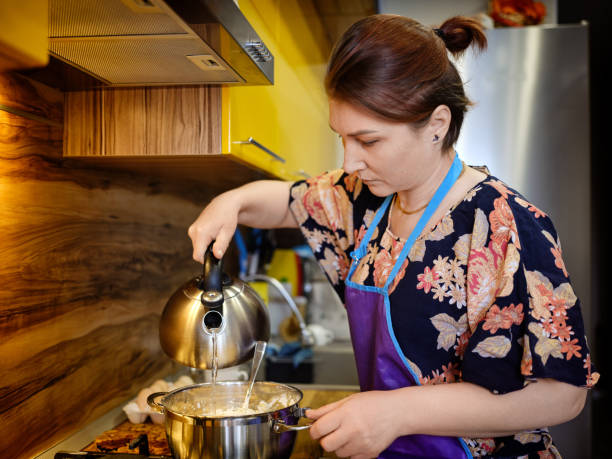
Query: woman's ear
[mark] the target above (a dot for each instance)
(438, 123)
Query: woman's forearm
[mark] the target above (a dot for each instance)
(467, 410)
(263, 204)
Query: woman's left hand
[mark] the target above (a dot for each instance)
(359, 426)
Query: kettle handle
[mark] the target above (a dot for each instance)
(212, 279)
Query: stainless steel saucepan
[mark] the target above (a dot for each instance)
(206, 421)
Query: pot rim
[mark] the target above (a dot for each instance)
(237, 419)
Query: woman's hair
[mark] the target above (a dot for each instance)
(400, 70)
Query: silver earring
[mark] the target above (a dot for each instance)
(436, 138)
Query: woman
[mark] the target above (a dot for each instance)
(467, 334)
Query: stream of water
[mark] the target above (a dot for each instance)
(215, 366)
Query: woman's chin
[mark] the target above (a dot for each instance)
(377, 188)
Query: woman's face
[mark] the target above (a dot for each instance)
(388, 156)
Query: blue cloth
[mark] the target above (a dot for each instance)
(294, 350)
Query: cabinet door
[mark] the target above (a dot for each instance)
(291, 117)
(23, 34)
(249, 112)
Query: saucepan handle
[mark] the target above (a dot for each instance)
(152, 401)
(280, 427)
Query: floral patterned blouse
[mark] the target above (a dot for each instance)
(482, 297)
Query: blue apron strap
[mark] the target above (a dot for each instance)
(450, 179)
(360, 252)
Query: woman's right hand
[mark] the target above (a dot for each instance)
(218, 222)
(259, 204)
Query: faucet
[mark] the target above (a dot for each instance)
(306, 337)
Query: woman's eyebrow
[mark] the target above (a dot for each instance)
(362, 132)
(357, 133)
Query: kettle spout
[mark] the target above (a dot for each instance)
(213, 322)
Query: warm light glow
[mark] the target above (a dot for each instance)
(4, 134)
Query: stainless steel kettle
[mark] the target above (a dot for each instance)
(213, 307)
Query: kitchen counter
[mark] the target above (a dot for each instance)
(304, 446)
(314, 396)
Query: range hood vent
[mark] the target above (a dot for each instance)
(157, 42)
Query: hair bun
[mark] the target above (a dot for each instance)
(460, 32)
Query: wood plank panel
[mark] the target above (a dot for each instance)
(183, 120)
(30, 96)
(123, 114)
(89, 258)
(143, 121)
(85, 136)
(76, 381)
(214, 172)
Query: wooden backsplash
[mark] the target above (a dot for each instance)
(89, 259)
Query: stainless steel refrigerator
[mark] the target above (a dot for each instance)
(530, 126)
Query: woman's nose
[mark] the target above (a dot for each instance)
(352, 162)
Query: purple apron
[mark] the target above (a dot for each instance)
(381, 364)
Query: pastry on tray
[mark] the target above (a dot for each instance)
(117, 440)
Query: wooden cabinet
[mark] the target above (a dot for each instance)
(153, 121)
(165, 132)
(193, 131)
(23, 34)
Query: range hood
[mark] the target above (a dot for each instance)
(158, 42)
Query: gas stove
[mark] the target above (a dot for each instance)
(91, 454)
(141, 442)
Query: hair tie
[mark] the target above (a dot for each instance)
(440, 33)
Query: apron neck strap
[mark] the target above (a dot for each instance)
(451, 177)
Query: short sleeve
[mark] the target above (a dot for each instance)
(324, 208)
(524, 317)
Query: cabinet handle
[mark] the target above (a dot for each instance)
(252, 141)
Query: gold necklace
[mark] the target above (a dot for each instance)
(408, 212)
(412, 212)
